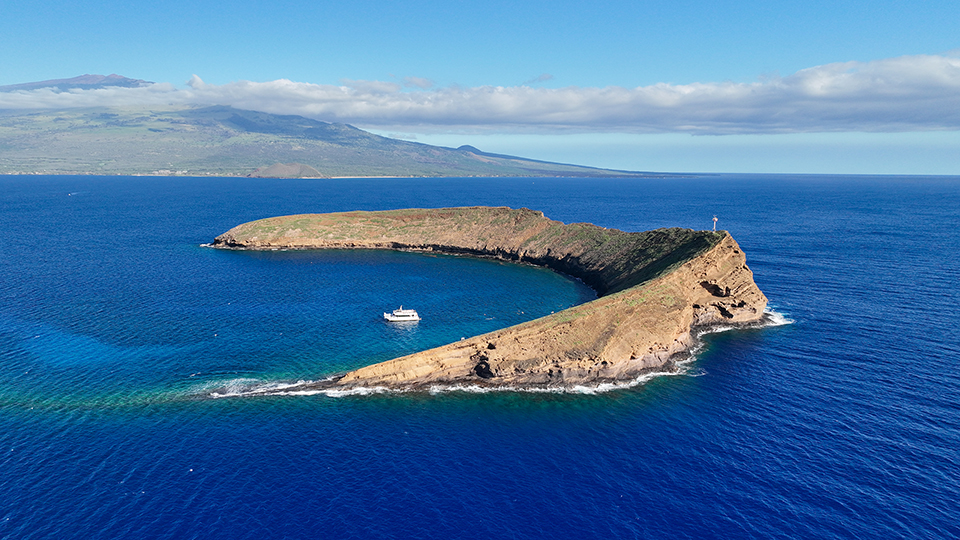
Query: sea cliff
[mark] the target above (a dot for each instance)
(656, 289)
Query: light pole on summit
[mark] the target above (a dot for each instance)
(714, 223)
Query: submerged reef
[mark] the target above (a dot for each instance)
(656, 290)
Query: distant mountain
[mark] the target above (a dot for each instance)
(83, 82)
(225, 141)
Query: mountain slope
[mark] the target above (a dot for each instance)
(224, 141)
(83, 82)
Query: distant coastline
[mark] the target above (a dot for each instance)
(227, 142)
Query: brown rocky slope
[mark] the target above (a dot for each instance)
(656, 289)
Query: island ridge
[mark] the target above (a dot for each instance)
(656, 290)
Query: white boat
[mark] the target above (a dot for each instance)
(402, 315)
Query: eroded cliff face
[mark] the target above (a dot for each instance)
(657, 288)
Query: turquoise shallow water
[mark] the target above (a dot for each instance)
(116, 325)
(245, 320)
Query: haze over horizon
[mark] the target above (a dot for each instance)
(848, 87)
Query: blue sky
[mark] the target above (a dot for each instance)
(843, 86)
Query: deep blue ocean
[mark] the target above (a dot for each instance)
(117, 329)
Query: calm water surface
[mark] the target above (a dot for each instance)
(116, 326)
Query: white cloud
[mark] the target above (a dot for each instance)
(361, 87)
(909, 93)
(196, 82)
(418, 82)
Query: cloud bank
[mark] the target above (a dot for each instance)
(908, 93)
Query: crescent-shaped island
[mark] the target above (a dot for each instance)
(656, 291)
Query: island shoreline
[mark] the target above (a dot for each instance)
(657, 293)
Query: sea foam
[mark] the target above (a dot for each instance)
(247, 387)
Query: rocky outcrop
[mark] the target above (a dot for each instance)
(656, 289)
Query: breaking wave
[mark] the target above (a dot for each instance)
(247, 387)
(241, 388)
(774, 318)
(681, 366)
(769, 319)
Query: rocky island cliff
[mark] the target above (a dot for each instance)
(656, 289)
